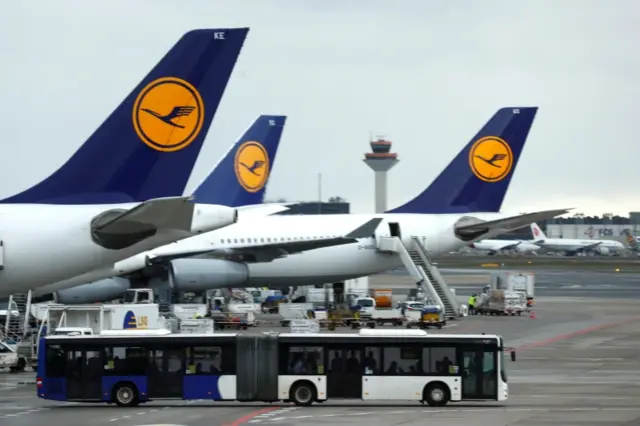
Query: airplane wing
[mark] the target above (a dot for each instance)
(585, 248)
(510, 246)
(270, 251)
(492, 228)
(174, 213)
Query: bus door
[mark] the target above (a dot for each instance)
(166, 373)
(479, 373)
(84, 374)
(344, 375)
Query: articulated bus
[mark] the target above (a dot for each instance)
(128, 369)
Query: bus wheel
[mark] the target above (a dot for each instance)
(436, 394)
(303, 394)
(125, 395)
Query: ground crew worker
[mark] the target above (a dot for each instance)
(472, 304)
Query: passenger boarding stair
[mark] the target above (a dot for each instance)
(421, 268)
(16, 330)
(18, 325)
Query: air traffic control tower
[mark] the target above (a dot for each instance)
(381, 161)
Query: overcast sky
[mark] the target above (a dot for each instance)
(426, 74)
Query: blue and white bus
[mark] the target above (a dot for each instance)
(301, 368)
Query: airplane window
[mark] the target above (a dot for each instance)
(235, 240)
(262, 240)
(222, 241)
(248, 240)
(242, 240)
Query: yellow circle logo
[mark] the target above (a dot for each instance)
(252, 166)
(168, 114)
(491, 159)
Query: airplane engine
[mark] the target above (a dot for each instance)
(602, 250)
(205, 274)
(98, 291)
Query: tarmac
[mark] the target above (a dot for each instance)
(577, 364)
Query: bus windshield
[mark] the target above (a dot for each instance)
(503, 370)
(365, 303)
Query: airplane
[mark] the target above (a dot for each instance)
(495, 246)
(633, 243)
(572, 246)
(116, 196)
(227, 184)
(460, 206)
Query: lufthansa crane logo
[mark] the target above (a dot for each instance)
(252, 166)
(168, 114)
(491, 159)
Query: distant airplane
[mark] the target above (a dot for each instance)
(633, 243)
(496, 246)
(572, 246)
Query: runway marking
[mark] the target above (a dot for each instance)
(153, 410)
(584, 331)
(21, 413)
(444, 411)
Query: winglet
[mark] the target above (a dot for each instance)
(366, 230)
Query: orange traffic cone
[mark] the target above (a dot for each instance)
(532, 315)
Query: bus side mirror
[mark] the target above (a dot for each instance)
(513, 355)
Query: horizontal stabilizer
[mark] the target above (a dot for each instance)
(174, 213)
(261, 210)
(493, 228)
(269, 251)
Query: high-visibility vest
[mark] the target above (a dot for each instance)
(472, 301)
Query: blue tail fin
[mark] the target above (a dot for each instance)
(478, 178)
(148, 146)
(240, 178)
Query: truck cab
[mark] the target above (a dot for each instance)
(9, 358)
(138, 295)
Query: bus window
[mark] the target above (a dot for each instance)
(55, 364)
(402, 360)
(174, 360)
(125, 361)
(443, 361)
(204, 360)
(372, 361)
(305, 360)
(156, 361)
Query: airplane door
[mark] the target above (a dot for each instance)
(394, 229)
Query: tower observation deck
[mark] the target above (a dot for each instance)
(381, 160)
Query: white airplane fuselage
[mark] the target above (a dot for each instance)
(566, 244)
(48, 243)
(497, 245)
(436, 232)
